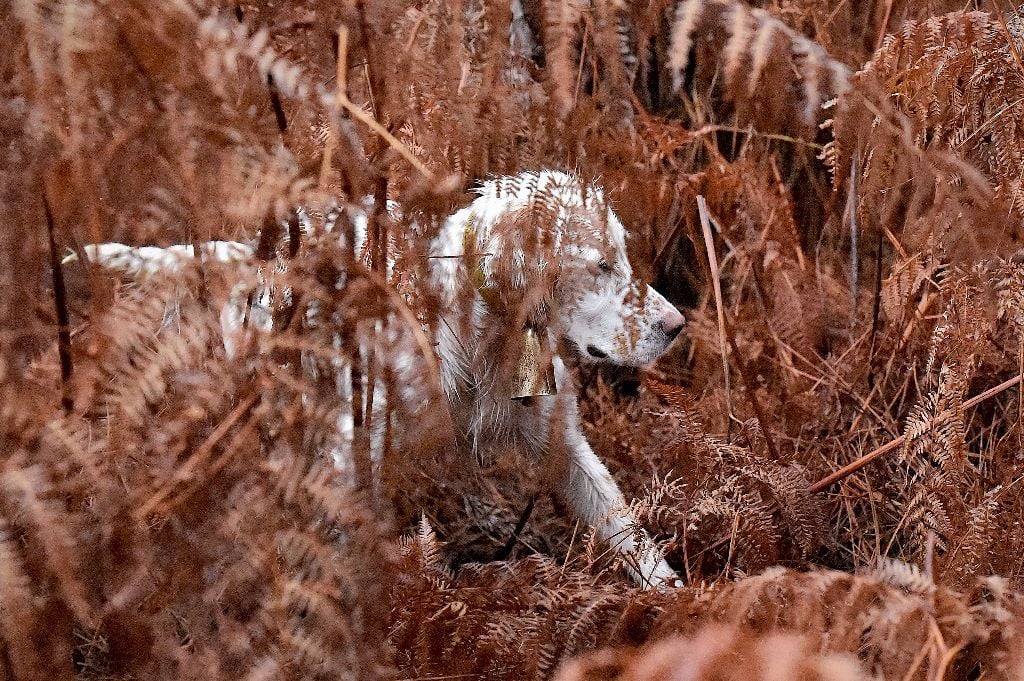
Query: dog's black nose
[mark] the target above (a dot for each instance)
(671, 323)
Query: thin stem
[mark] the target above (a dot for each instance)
(855, 466)
(342, 100)
(60, 304)
(709, 244)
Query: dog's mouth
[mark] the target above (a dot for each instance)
(595, 352)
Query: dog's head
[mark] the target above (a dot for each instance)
(606, 312)
(558, 257)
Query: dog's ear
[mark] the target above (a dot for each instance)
(524, 267)
(522, 275)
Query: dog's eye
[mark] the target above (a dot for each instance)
(604, 266)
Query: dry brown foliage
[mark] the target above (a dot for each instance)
(169, 512)
(716, 653)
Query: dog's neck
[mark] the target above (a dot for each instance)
(497, 275)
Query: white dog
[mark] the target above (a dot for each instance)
(537, 258)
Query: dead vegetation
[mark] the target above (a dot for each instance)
(169, 512)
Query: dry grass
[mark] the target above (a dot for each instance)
(168, 512)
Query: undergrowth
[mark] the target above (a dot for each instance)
(171, 510)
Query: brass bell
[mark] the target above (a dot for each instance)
(535, 371)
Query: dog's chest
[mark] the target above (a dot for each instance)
(489, 424)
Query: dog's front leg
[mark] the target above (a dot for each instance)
(596, 498)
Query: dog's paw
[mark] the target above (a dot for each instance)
(663, 577)
(673, 582)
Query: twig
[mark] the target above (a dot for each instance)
(568, 552)
(666, 247)
(275, 102)
(851, 207)
(838, 475)
(342, 100)
(506, 550)
(186, 470)
(748, 385)
(294, 235)
(883, 28)
(216, 466)
(60, 304)
(709, 244)
(876, 306)
(708, 129)
(341, 83)
(341, 59)
(1001, 15)
(377, 243)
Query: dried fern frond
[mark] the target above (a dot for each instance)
(716, 652)
(940, 94)
(763, 48)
